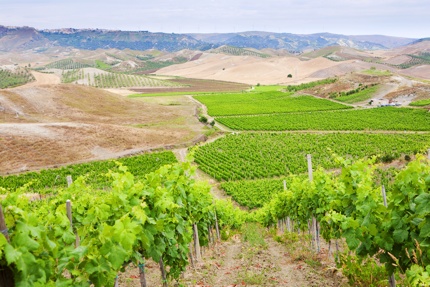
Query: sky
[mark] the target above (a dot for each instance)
(403, 18)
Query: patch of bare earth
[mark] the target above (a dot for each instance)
(49, 125)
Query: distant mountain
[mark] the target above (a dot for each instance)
(422, 40)
(23, 38)
(298, 42)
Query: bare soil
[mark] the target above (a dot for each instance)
(49, 125)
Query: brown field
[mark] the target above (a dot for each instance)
(50, 125)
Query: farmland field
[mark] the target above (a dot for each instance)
(103, 79)
(366, 119)
(266, 155)
(359, 96)
(96, 171)
(188, 86)
(420, 103)
(264, 103)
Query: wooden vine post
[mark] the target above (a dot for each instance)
(142, 274)
(288, 221)
(197, 243)
(6, 273)
(163, 272)
(69, 215)
(218, 237)
(69, 180)
(391, 278)
(315, 234)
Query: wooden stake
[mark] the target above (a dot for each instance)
(209, 235)
(384, 195)
(69, 212)
(197, 243)
(142, 275)
(190, 255)
(69, 215)
(391, 278)
(3, 227)
(311, 177)
(6, 273)
(163, 272)
(69, 180)
(315, 234)
(217, 227)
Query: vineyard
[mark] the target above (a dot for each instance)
(357, 95)
(254, 193)
(229, 50)
(264, 103)
(18, 77)
(267, 155)
(138, 166)
(66, 64)
(304, 86)
(150, 208)
(390, 223)
(102, 79)
(81, 236)
(387, 118)
(259, 192)
(415, 60)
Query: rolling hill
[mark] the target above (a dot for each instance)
(23, 38)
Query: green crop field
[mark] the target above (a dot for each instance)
(264, 103)
(420, 103)
(266, 155)
(375, 72)
(52, 178)
(304, 86)
(387, 118)
(359, 96)
(256, 193)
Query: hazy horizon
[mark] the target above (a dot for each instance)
(409, 19)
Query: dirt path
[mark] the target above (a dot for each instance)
(204, 112)
(239, 263)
